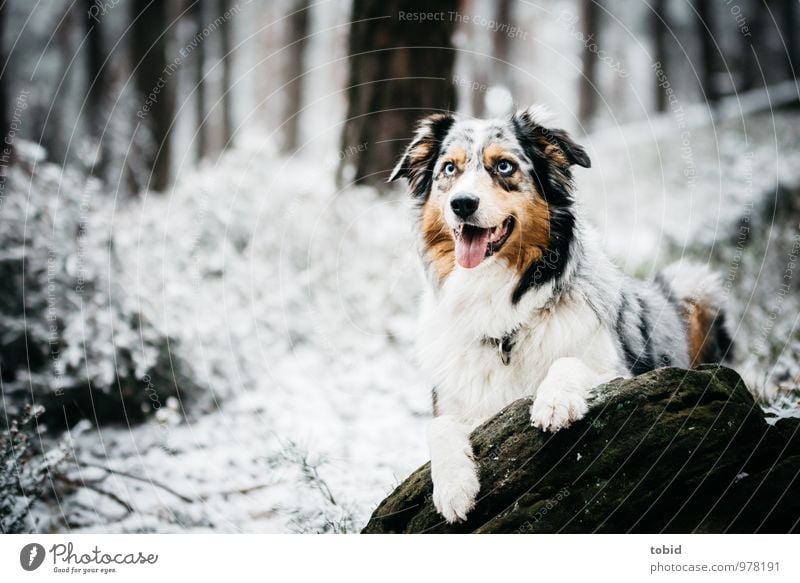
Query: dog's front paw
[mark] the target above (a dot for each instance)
(556, 409)
(455, 489)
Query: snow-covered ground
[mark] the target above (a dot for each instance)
(294, 304)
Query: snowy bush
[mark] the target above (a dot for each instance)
(23, 473)
(74, 340)
(760, 259)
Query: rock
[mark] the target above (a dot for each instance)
(669, 451)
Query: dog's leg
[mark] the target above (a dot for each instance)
(453, 471)
(563, 396)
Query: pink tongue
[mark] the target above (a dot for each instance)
(471, 247)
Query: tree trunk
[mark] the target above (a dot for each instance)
(705, 33)
(149, 59)
(659, 28)
(97, 86)
(502, 42)
(293, 81)
(501, 48)
(669, 451)
(58, 125)
(750, 74)
(227, 106)
(400, 70)
(588, 87)
(5, 147)
(201, 123)
(478, 68)
(789, 34)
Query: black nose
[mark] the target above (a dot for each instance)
(464, 204)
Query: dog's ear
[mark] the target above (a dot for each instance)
(574, 153)
(420, 156)
(555, 144)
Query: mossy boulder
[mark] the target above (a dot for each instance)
(669, 451)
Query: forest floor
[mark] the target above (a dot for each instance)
(295, 305)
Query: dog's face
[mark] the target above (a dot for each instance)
(488, 188)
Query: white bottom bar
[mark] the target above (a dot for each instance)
(406, 558)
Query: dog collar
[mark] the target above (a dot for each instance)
(504, 345)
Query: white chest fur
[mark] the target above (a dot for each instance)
(471, 379)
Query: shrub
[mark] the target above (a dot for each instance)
(23, 473)
(75, 340)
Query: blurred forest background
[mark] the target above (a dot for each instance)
(207, 290)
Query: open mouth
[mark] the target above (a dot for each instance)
(474, 244)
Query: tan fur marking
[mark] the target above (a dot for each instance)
(494, 153)
(698, 324)
(457, 156)
(421, 151)
(556, 155)
(439, 243)
(531, 234)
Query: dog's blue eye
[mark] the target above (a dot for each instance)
(449, 169)
(505, 167)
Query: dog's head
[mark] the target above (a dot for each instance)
(490, 190)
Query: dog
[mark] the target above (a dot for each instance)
(521, 301)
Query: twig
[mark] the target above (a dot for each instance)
(245, 490)
(91, 486)
(111, 495)
(139, 478)
(311, 471)
(308, 469)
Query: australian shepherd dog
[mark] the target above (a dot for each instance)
(521, 301)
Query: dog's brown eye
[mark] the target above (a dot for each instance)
(504, 167)
(449, 169)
